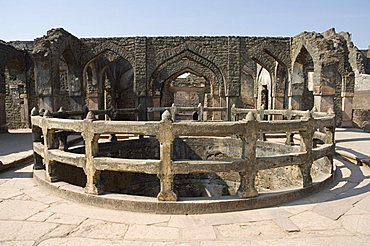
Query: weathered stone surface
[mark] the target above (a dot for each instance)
(19, 209)
(100, 229)
(64, 64)
(24, 230)
(152, 233)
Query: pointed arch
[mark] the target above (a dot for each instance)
(187, 60)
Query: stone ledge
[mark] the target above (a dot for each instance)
(194, 206)
(16, 160)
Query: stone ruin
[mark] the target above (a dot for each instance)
(184, 117)
(325, 70)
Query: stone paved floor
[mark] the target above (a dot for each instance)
(339, 215)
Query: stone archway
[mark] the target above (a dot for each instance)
(188, 62)
(101, 74)
(302, 84)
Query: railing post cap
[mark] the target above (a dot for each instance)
(34, 111)
(41, 112)
(47, 114)
(61, 109)
(250, 117)
(90, 116)
(166, 115)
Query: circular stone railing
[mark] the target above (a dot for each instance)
(50, 147)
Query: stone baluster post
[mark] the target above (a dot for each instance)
(232, 112)
(93, 185)
(306, 143)
(49, 138)
(247, 177)
(329, 138)
(261, 116)
(37, 133)
(289, 135)
(62, 135)
(200, 112)
(173, 112)
(165, 175)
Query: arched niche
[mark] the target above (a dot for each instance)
(188, 62)
(302, 81)
(264, 83)
(118, 84)
(97, 78)
(69, 85)
(280, 90)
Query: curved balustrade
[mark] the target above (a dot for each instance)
(50, 146)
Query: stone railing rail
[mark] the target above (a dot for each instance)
(110, 113)
(49, 149)
(287, 113)
(200, 109)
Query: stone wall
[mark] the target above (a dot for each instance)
(61, 70)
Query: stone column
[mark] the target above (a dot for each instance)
(49, 137)
(37, 133)
(247, 177)
(306, 138)
(347, 103)
(165, 175)
(91, 149)
(323, 97)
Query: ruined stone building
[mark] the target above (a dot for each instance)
(325, 70)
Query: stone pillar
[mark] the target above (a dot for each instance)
(306, 138)
(278, 103)
(49, 137)
(165, 175)
(92, 100)
(140, 78)
(3, 127)
(142, 114)
(91, 149)
(247, 177)
(37, 133)
(323, 97)
(347, 102)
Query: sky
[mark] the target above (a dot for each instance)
(28, 19)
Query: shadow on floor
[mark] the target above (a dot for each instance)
(15, 142)
(349, 189)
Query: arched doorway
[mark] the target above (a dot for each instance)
(68, 88)
(302, 84)
(117, 80)
(264, 98)
(164, 79)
